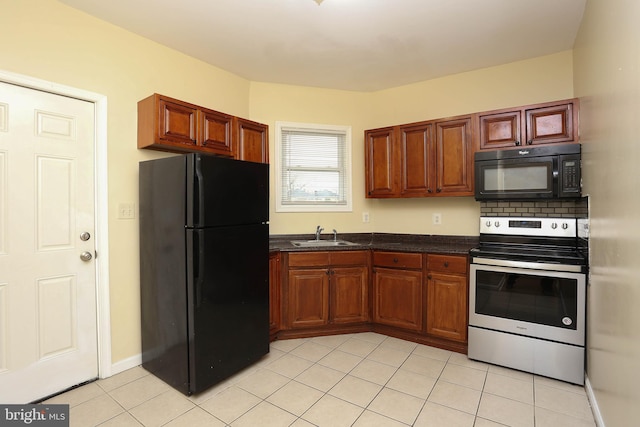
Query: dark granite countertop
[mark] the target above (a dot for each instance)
(380, 241)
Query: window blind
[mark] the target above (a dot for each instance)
(313, 167)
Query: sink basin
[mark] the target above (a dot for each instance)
(321, 243)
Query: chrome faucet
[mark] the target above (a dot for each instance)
(318, 231)
(335, 235)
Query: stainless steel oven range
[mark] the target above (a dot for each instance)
(527, 297)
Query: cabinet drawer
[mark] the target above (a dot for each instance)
(349, 257)
(447, 263)
(397, 259)
(309, 259)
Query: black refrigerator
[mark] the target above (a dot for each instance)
(204, 268)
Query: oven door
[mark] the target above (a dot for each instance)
(525, 301)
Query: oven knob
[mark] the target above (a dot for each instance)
(567, 321)
(497, 223)
(488, 223)
(565, 225)
(554, 225)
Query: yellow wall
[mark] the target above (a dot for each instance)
(526, 82)
(51, 41)
(607, 80)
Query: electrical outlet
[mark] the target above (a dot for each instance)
(437, 219)
(365, 217)
(126, 211)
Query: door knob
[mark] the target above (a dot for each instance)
(84, 236)
(86, 256)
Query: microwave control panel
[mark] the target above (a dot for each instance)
(570, 175)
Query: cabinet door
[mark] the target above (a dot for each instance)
(552, 124)
(380, 163)
(416, 158)
(274, 293)
(349, 296)
(454, 157)
(447, 306)
(216, 132)
(308, 297)
(177, 123)
(500, 130)
(398, 298)
(252, 141)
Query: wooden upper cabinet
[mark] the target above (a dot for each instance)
(216, 132)
(500, 130)
(551, 124)
(381, 163)
(423, 159)
(252, 141)
(416, 159)
(168, 124)
(454, 157)
(547, 123)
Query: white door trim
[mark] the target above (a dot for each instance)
(102, 223)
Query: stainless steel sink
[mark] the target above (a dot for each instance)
(321, 243)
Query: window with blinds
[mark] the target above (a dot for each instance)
(314, 167)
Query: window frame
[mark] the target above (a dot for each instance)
(279, 165)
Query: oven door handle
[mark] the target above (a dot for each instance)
(529, 265)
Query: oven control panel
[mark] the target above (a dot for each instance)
(552, 227)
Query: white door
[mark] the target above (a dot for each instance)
(48, 339)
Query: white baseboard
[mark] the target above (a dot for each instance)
(594, 403)
(125, 364)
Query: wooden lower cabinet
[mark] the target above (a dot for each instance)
(397, 289)
(348, 288)
(447, 297)
(397, 298)
(275, 304)
(327, 288)
(414, 296)
(308, 297)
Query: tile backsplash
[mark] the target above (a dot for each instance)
(538, 209)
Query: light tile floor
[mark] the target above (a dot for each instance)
(363, 379)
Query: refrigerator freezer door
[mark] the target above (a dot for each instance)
(228, 301)
(223, 191)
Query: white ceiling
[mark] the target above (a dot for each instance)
(360, 45)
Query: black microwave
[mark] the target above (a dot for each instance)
(549, 172)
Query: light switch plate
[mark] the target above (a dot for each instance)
(126, 211)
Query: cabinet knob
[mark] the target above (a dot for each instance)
(518, 143)
(395, 260)
(429, 276)
(429, 190)
(446, 263)
(530, 142)
(438, 190)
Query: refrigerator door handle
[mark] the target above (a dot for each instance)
(198, 190)
(198, 266)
